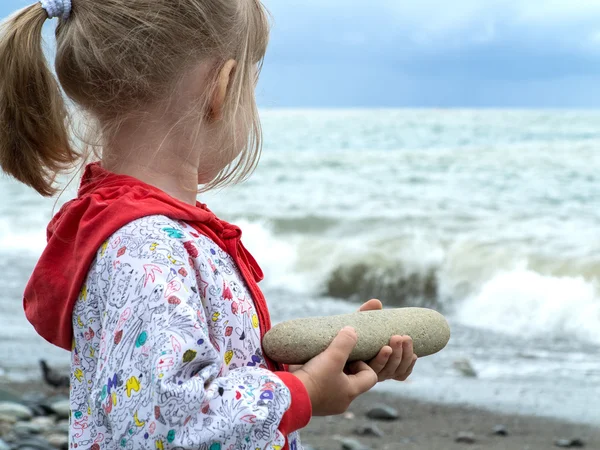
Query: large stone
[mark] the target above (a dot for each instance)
(15, 410)
(298, 341)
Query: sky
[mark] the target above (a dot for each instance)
(429, 53)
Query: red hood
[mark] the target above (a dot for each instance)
(105, 203)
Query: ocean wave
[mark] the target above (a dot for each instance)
(483, 286)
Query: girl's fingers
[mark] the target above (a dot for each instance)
(391, 368)
(381, 360)
(404, 376)
(371, 305)
(407, 356)
(362, 379)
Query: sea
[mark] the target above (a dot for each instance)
(491, 217)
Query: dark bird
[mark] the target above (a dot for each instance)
(52, 377)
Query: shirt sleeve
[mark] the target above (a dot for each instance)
(167, 387)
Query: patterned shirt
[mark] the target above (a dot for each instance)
(167, 351)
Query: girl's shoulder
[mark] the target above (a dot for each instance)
(159, 237)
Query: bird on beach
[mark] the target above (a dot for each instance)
(52, 377)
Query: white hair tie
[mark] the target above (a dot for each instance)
(57, 8)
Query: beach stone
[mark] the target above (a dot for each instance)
(465, 437)
(26, 428)
(4, 445)
(569, 443)
(44, 423)
(62, 408)
(15, 410)
(369, 430)
(62, 426)
(34, 443)
(383, 412)
(6, 419)
(60, 441)
(352, 444)
(298, 341)
(465, 367)
(500, 430)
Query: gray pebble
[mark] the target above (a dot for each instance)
(569, 443)
(60, 441)
(6, 419)
(298, 341)
(369, 430)
(62, 408)
(33, 443)
(44, 423)
(500, 430)
(352, 444)
(62, 427)
(383, 412)
(465, 367)
(16, 410)
(465, 437)
(26, 429)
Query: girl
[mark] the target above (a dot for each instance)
(157, 298)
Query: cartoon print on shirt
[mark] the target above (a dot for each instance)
(169, 357)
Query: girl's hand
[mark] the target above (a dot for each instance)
(395, 361)
(330, 384)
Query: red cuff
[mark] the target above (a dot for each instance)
(300, 411)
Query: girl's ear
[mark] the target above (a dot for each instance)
(220, 94)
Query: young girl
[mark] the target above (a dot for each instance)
(155, 297)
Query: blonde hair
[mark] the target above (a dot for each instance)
(115, 58)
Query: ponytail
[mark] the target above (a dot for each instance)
(34, 138)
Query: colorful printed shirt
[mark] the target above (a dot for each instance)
(167, 351)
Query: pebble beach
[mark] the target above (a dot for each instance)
(35, 417)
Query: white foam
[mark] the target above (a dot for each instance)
(525, 303)
(16, 240)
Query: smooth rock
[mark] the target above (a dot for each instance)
(62, 427)
(383, 412)
(44, 423)
(33, 443)
(369, 430)
(465, 367)
(61, 408)
(465, 437)
(569, 443)
(500, 430)
(6, 419)
(349, 415)
(26, 428)
(16, 410)
(352, 444)
(298, 341)
(60, 441)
